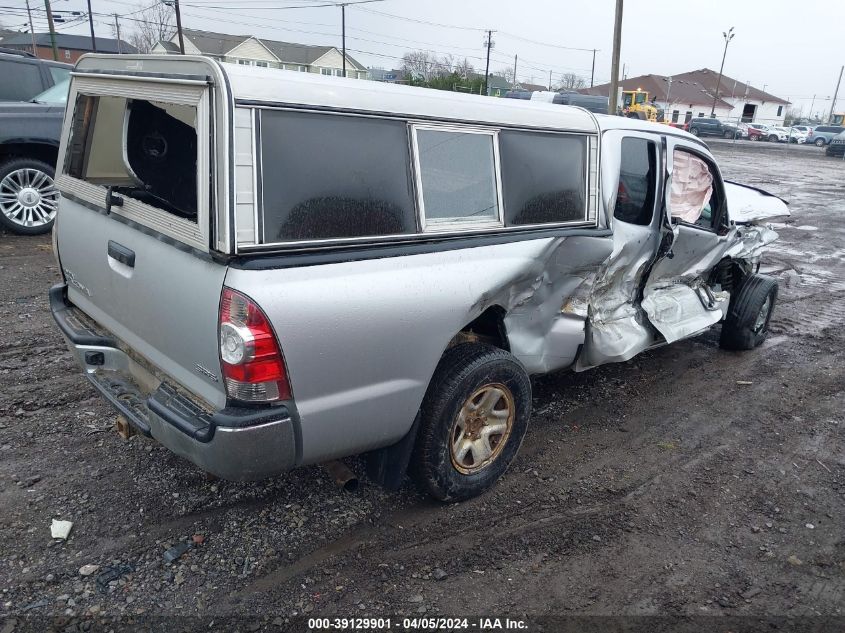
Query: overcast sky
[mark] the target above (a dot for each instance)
(776, 45)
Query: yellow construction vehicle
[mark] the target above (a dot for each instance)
(635, 105)
(837, 119)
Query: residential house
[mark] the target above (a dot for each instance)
(687, 95)
(254, 51)
(70, 47)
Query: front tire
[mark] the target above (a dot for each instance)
(473, 420)
(773, 138)
(750, 311)
(729, 135)
(29, 198)
(819, 142)
(694, 131)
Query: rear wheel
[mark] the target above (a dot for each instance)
(819, 142)
(694, 131)
(729, 134)
(773, 138)
(747, 323)
(474, 417)
(28, 196)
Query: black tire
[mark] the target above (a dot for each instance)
(819, 142)
(747, 323)
(773, 138)
(30, 165)
(465, 370)
(729, 134)
(694, 131)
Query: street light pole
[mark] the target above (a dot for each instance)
(728, 37)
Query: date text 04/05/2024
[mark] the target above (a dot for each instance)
(416, 624)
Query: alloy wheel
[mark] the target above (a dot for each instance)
(28, 197)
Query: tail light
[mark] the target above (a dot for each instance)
(250, 357)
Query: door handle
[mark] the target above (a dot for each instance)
(122, 254)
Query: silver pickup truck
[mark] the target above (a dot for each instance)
(265, 269)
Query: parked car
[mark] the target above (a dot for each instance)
(757, 131)
(712, 127)
(777, 134)
(798, 134)
(25, 76)
(836, 147)
(396, 305)
(821, 135)
(29, 145)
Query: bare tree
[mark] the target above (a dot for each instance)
(152, 24)
(464, 68)
(571, 81)
(418, 64)
(507, 73)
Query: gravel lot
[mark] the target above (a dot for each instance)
(688, 481)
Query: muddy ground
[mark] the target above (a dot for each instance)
(687, 481)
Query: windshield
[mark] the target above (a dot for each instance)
(641, 97)
(56, 94)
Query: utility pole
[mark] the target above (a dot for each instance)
(593, 71)
(31, 30)
(117, 28)
(812, 103)
(489, 45)
(179, 26)
(514, 72)
(835, 94)
(91, 24)
(729, 35)
(614, 63)
(550, 81)
(52, 30)
(343, 30)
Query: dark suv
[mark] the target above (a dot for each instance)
(712, 127)
(836, 146)
(821, 135)
(25, 76)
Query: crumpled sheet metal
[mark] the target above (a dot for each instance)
(749, 205)
(546, 306)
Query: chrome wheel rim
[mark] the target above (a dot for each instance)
(763, 315)
(482, 428)
(28, 197)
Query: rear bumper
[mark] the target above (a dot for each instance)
(239, 444)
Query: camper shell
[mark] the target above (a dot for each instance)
(265, 269)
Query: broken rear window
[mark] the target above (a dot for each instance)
(146, 150)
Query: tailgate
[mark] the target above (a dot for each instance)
(133, 228)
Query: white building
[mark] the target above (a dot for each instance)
(255, 51)
(688, 95)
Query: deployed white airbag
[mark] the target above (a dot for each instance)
(692, 186)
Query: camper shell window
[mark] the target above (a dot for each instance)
(457, 177)
(145, 150)
(544, 177)
(334, 176)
